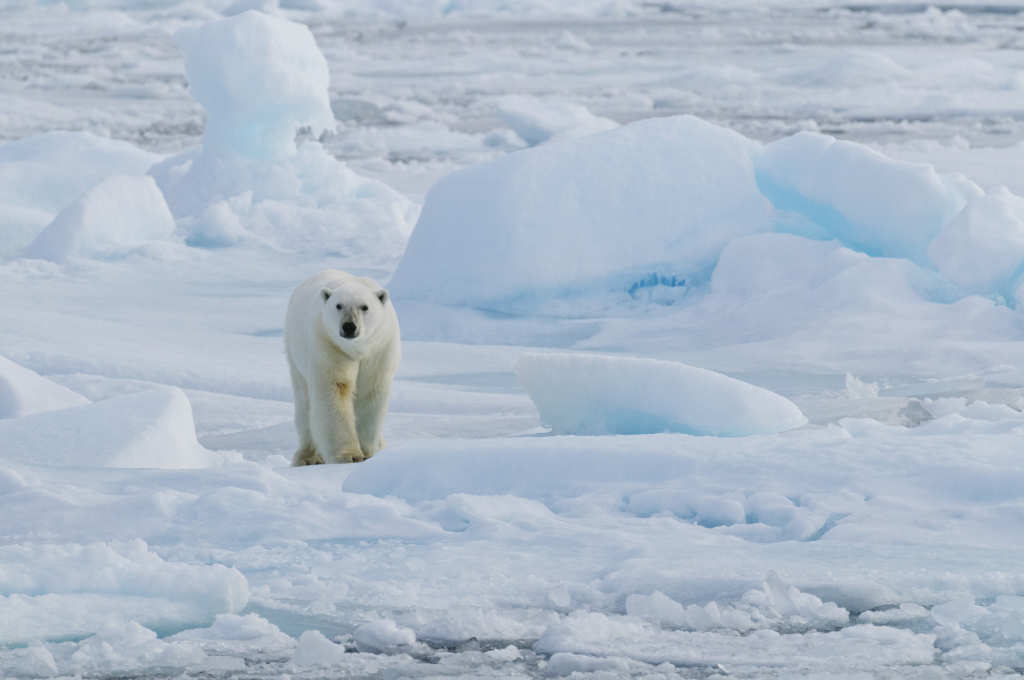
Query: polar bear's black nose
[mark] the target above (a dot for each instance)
(349, 330)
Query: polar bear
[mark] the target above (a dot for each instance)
(343, 344)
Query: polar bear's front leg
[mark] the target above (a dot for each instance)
(332, 421)
(306, 453)
(371, 408)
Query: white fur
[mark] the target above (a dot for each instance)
(341, 384)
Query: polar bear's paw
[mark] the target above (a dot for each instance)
(306, 456)
(350, 455)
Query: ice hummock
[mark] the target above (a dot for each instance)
(659, 195)
(589, 394)
(143, 430)
(41, 175)
(121, 213)
(24, 392)
(261, 80)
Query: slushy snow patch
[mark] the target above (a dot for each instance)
(261, 79)
(659, 195)
(594, 394)
(982, 248)
(852, 193)
(119, 214)
(24, 392)
(537, 121)
(143, 430)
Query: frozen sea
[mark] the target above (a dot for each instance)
(884, 538)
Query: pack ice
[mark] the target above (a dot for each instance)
(151, 525)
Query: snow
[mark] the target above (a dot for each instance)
(24, 392)
(882, 539)
(147, 430)
(119, 214)
(586, 394)
(659, 198)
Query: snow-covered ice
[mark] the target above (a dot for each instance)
(659, 198)
(824, 234)
(120, 213)
(147, 430)
(24, 392)
(587, 394)
(43, 174)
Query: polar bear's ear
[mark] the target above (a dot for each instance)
(382, 295)
(325, 293)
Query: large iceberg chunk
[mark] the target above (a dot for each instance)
(261, 80)
(589, 394)
(867, 201)
(122, 212)
(659, 195)
(258, 77)
(142, 430)
(24, 392)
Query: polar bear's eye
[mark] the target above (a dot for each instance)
(338, 306)
(365, 308)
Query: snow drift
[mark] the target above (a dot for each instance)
(24, 392)
(146, 429)
(43, 174)
(592, 394)
(119, 214)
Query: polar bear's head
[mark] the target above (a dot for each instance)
(352, 313)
